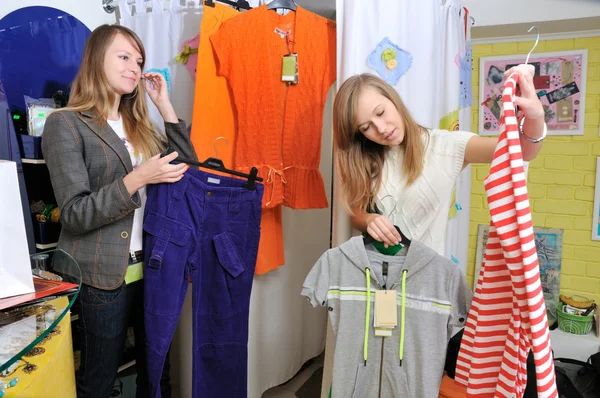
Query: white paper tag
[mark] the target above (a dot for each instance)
(383, 332)
(214, 180)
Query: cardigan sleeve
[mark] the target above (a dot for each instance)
(223, 49)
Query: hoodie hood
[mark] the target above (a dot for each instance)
(432, 298)
(413, 258)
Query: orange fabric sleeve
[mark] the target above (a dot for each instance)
(221, 44)
(331, 67)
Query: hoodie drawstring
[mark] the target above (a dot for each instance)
(367, 317)
(402, 316)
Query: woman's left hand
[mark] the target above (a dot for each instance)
(157, 88)
(526, 96)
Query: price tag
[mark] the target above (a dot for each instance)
(386, 310)
(289, 70)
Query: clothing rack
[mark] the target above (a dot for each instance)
(111, 5)
(237, 3)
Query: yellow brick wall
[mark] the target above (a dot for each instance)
(562, 177)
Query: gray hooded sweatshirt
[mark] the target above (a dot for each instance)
(432, 296)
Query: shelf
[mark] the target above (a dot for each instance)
(33, 161)
(46, 246)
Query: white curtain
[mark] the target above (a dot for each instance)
(163, 26)
(285, 331)
(429, 42)
(458, 66)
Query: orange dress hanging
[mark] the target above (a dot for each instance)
(279, 125)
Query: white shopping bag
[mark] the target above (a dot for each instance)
(15, 266)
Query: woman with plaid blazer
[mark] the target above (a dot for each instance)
(101, 151)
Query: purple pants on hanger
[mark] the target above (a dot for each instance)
(208, 227)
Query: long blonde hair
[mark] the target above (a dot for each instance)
(359, 160)
(91, 91)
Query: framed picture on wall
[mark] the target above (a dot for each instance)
(548, 244)
(596, 216)
(560, 81)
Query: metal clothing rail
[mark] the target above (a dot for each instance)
(111, 5)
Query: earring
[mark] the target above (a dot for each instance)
(133, 95)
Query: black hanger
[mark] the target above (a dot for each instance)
(217, 164)
(243, 4)
(369, 239)
(287, 4)
(405, 241)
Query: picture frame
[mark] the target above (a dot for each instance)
(560, 80)
(549, 246)
(596, 213)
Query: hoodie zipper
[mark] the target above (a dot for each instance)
(384, 274)
(384, 287)
(381, 366)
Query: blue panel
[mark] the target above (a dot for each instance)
(40, 52)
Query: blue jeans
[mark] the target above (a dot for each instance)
(207, 227)
(104, 317)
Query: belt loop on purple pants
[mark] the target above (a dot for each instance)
(234, 200)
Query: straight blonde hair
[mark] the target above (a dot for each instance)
(91, 91)
(359, 161)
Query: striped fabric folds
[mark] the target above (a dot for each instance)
(508, 314)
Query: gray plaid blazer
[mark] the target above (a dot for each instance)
(87, 165)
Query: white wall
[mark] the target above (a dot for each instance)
(488, 13)
(89, 12)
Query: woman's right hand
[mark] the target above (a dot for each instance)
(154, 171)
(381, 228)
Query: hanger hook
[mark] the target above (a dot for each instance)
(395, 204)
(215, 145)
(537, 39)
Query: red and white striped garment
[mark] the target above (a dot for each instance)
(508, 313)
